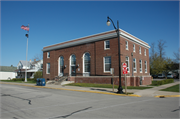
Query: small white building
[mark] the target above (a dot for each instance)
(7, 72)
(32, 67)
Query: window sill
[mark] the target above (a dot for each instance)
(107, 49)
(107, 72)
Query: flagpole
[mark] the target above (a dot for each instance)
(27, 35)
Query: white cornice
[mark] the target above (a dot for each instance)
(93, 38)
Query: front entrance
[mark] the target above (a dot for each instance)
(73, 65)
(73, 70)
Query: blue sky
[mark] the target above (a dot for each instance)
(59, 21)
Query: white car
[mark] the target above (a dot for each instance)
(161, 76)
(170, 76)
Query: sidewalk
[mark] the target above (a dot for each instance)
(152, 92)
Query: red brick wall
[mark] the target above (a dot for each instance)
(97, 52)
(131, 81)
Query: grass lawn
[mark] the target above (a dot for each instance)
(172, 88)
(104, 86)
(17, 81)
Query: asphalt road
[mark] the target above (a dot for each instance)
(29, 102)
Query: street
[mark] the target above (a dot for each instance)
(30, 102)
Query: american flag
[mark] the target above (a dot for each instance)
(25, 27)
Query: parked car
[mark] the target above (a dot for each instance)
(155, 76)
(170, 76)
(175, 75)
(161, 76)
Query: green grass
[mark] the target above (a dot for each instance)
(104, 86)
(18, 81)
(161, 82)
(172, 88)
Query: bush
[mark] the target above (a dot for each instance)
(23, 79)
(166, 81)
(18, 79)
(38, 74)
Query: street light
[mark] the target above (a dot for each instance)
(120, 89)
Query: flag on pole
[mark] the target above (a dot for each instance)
(25, 27)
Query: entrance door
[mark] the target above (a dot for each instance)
(73, 70)
(61, 64)
(73, 65)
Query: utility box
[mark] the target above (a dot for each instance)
(40, 82)
(43, 82)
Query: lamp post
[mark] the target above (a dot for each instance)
(120, 89)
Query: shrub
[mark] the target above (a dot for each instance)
(18, 79)
(166, 81)
(38, 74)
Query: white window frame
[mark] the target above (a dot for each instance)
(48, 65)
(128, 65)
(134, 48)
(86, 73)
(105, 45)
(134, 66)
(144, 52)
(127, 45)
(105, 65)
(145, 64)
(139, 49)
(48, 54)
(140, 67)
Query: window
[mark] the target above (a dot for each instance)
(106, 44)
(41, 66)
(140, 66)
(144, 52)
(134, 65)
(48, 54)
(86, 64)
(127, 63)
(126, 45)
(134, 50)
(139, 50)
(48, 68)
(61, 66)
(107, 64)
(145, 64)
(73, 65)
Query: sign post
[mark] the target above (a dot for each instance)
(125, 72)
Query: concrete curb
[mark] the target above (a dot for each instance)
(165, 96)
(132, 95)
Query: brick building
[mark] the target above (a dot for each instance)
(90, 58)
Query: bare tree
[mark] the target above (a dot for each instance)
(161, 48)
(177, 56)
(38, 57)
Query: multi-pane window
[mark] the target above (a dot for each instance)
(126, 45)
(48, 68)
(139, 50)
(48, 54)
(86, 62)
(140, 66)
(107, 64)
(145, 64)
(134, 48)
(144, 52)
(134, 65)
(127, 63)
(107, 44)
